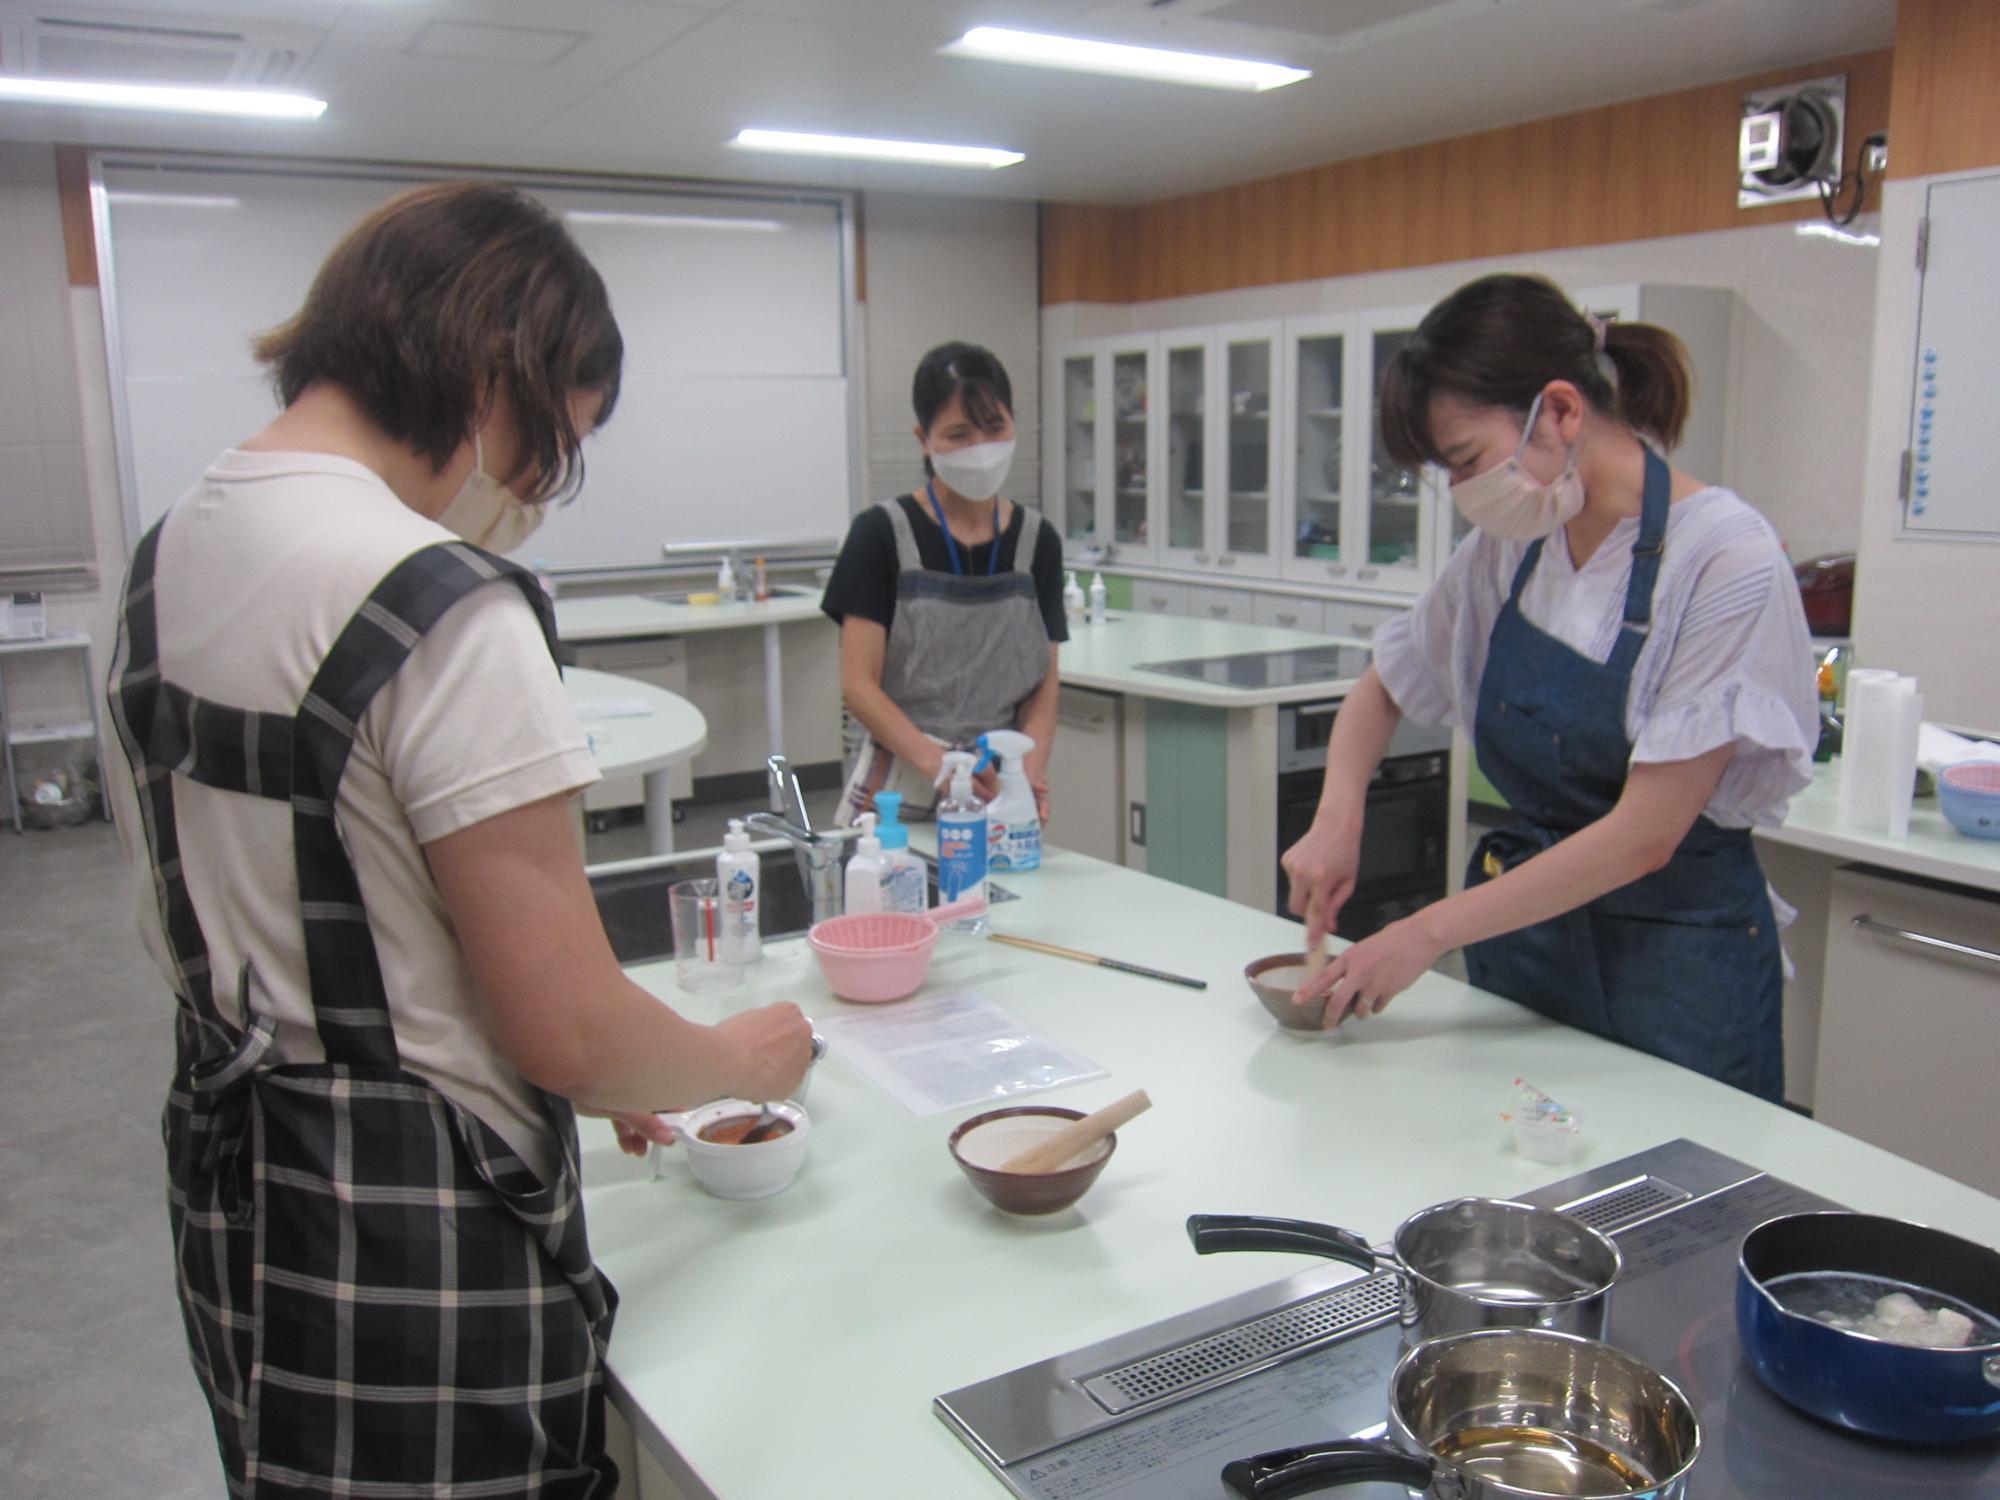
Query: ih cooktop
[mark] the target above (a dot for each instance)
(1269, 669)
(1155, 1415)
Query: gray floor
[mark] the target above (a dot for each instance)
(96, 1398)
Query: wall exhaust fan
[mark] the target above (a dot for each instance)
(1790, 143)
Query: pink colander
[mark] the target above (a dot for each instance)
(871, 957)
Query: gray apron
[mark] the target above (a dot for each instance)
(964, 653)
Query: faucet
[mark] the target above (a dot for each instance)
(820, 857)
(784, 786)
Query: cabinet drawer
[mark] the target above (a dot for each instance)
(1908, 1029)
(1360, 621)
(1232, 605)
(1159, 598)
(1290, 612)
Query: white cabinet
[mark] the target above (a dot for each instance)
(1154, 598)
(1320, 404)
(1360, 621)
(1233, 605)
(1388, 531)
(1247, 357)
(1289, 612)
(1187, 438)
(1087, 775)
(1909, 1027)
(1098, 446)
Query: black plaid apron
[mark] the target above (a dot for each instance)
(381, 1298)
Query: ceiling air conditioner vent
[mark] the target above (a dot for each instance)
(133, 49)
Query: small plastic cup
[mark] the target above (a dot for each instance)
(704, 960)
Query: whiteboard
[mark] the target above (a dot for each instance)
(736, 418)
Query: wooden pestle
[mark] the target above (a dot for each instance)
(1056, 1151)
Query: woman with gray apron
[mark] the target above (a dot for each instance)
(949, 601)
(350, 758)
(1627, 649)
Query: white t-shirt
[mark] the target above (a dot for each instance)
(260, 566)
(1728, 661)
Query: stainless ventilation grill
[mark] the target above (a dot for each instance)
(1624, 1204)
(1173, 1372)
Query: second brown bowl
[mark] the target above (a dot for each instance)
(1277, 998)
(1005, 1133)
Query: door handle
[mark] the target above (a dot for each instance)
(1220, 611)
(1369, 573)
(1336, 570)
(1924, 940)
(1288, 620)
(1135, 824)
(1202, 559)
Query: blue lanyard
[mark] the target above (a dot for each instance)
(951, 543)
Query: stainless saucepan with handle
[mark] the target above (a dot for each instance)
(1468, 1264)
(1506, 1414)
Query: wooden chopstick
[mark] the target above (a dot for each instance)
(1099, 960)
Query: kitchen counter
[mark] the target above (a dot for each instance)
(1933, 849)
(634, 616)
(1107, 657)
(793, 1346)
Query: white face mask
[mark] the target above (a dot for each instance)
(486, 513)
(1508, 502)
(976, 472)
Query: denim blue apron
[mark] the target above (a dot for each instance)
(1682, 963)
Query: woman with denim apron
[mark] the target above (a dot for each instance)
(949, 601)
(1626, 647)
(349, 760)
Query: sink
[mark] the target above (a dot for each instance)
(778, 591)
(632, 898)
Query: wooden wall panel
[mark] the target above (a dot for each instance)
(73, 195)
(1947, 87)
(1639, 170)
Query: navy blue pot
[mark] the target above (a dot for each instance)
(1912, 1395)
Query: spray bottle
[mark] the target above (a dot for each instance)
(1099, 596)
(865, 871)
(1013, 822)
(961, 834)
(906, 884)
(737, 876)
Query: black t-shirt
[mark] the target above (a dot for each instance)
(865, 573)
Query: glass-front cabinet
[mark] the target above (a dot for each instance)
(1186, 437)
(1388, 536)
(1249, 397)
(1317, 357)
(1100, 412)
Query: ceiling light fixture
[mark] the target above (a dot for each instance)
(170, 98)
(172, 200)
(1081, 55)
(807, 143)
(669, 221)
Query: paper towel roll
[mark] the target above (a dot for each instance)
(1879, 751)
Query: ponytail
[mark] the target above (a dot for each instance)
(1500, 340)
(1655, 384)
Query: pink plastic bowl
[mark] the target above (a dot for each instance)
(873, 957)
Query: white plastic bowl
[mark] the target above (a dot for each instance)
(754, 1171)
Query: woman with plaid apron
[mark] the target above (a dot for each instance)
(379, 1241)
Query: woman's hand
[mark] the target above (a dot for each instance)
(1038, 783)
(637, 1134)
(1322, 867)
(1362, 979)
(777, 1048)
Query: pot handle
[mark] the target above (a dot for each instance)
(1210, 1233)
(1322, 1466)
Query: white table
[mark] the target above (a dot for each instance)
(91, 729)
(637, 617)
(1932, 849)
(879, 1279)
(647, 744)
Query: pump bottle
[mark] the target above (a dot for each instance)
(905, 882)
(961, 835)
(865, 871)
